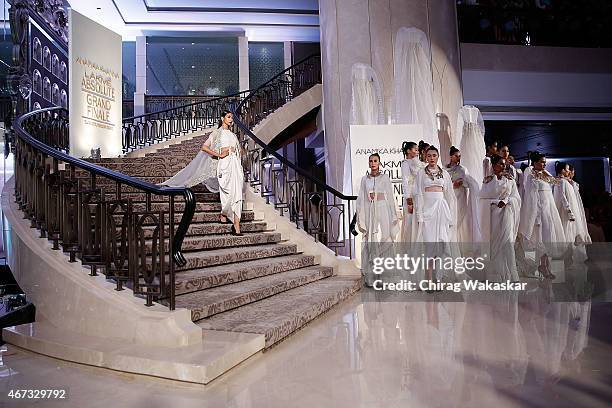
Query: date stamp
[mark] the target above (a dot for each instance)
(33, 394)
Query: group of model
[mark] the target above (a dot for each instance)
(530, 207)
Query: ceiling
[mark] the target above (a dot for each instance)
(265, 20)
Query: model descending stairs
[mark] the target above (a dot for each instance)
(256, 283)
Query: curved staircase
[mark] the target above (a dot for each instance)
(257, 283)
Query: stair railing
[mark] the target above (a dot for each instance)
(152, 128)
(310, 203)
(92, 213)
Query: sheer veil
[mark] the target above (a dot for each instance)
(471, 131)
(202, 169)
(414, 102)
(366, 109)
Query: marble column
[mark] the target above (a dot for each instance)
(364, 31)
(288, 53)
(243, 63)
(141, 75)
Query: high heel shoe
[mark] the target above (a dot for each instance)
(237, 234)
(546, 273)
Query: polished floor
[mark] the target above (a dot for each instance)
(491, 352)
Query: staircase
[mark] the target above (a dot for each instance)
(257, 283)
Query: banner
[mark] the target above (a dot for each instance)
(95, 88)
(386, 140)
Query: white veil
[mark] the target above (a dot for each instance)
(414, 102)
(366, 109)
(471, 131)
(202, 169)
(366, 96)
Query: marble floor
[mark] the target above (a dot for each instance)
(502, 352)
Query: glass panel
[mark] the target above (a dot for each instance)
(266, 60)
(192, 66)
(128, 85)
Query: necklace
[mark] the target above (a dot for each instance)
(434, 174)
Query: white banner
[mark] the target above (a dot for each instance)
(95, 88)
(386, 140)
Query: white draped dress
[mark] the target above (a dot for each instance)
(540, 226)
(573, 218)
(436, 214)
(376, 210)
(499, 226)
(468, 230)
(410, 168)
(230, 176)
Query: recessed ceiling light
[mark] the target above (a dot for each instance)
(192, 43)
(193, 67)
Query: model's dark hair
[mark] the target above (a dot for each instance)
(570, 167)
(407, 146)
(423, 146)
(374, 155)
(453, 150)
(432, 148)
(490, 143)
(559, 166)
(496, 159)
(224, 112)
(536, 157)
(524, 166)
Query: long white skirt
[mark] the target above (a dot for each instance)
(436, 218)
(548, 237)
(502, 264)
(231, 180)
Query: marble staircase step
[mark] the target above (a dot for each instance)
(141, 197)
(202, 259)
(280, 315)
(199, 279)
(209, 302)
(200, 217)
(224, 241)
(215, 228)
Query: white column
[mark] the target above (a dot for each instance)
(243, 62)
(288, 50)
(141, 75)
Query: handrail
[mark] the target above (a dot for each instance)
(313, 205)
(190, 203)
(216, 99)
(273, 152)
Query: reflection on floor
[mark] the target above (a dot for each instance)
(506, 351)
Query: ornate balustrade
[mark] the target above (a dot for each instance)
(312, 205)
(157, 103)
(151, 128)
(102, 217)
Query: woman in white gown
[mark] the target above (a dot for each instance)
(436, 210)
(466, 193)
(491, 149)
(500, 208)
(540, 225)
(410, 167)
(570, 212)
(223, 174)
(584, 226)
(376, 212)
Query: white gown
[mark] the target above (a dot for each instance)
(410, 168)
(584, 226)
(202, 169)
(468, 229)
(376, 212)
(231, 176)
(540, 225)
(436, 211)
(499, 226)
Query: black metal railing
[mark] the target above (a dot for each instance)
(157, 103)
(152, 128)
(103, 217)
(310, 203)
(579, 24)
